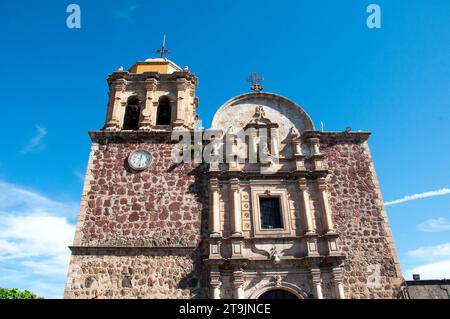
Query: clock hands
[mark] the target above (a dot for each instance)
(143, 160)
(140, 159)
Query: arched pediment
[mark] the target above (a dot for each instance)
(240, 111)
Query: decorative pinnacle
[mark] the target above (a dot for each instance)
(255, 79)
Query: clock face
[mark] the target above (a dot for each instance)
(139, 160)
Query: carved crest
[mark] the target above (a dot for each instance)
(277, 280)
(260, 116)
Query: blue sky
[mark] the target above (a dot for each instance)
(394, 82)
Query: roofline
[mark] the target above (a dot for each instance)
(428, 282)
(267, 94)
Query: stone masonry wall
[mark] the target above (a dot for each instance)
(371, 269)
(161, 206)
(134, 276)
(139, 218)
(147, 229)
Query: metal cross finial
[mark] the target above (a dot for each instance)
(255, 79)
(163, 49)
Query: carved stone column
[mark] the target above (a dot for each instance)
(314, 144)
(238, 284)
(274, 148)
(304, 196)
(318, 157)
(338, 282)
(147, 110)
(252, 145)
(215, 205)
(113, 120)
(298, 154)
(191, 106)
(236, 216)
(215, 284)
(214, 218)
(181, 101)
(296, 144)
(214, 165)
(310, 230)
(316, 281)
(236, 207)
(233, 148)
(326, 211)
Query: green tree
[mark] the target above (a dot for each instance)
(16, 294)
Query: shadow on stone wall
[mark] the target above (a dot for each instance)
(197, 280)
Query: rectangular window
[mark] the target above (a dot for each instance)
(270, 213)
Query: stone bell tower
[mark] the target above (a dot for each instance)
(142, 218)
(153, 88)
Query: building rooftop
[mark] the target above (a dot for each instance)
(161, 65)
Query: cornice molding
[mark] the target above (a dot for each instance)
(161, 77)
(337, 137)
(105, 137)
(131, 251)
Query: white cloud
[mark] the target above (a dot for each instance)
(440, 192)
(35, 232)
(434, 225)
(435, 262)
(431, 253)
(15, 198)
(35, 143)
(434, 270)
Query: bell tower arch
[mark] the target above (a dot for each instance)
(166, 96)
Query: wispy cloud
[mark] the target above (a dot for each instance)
(440, 192)
(35, 143)
(434, 270)
(434, 225)
(435, 262)
(431, 253)
(34, 234)
(126, 13)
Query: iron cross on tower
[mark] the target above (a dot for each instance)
(163, 49)
(255, 79)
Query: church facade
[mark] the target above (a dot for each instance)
(303, 219)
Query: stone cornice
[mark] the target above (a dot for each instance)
(288, 175)
(304, 262)
(132, 77)
(141, 135)
(131, 251)
(336, 137)
(105, 137)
